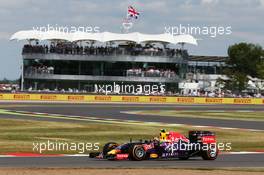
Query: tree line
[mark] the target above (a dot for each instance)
(245, 60)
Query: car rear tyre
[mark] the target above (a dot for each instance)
(210, 154)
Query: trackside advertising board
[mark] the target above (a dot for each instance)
(129, 99)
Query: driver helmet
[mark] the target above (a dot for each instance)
(163, 135)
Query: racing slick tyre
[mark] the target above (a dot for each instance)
(137, 153)
(210, 154)
(108, 147)
(94, 154)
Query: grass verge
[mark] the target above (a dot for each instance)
(239, 115)
(19, 135)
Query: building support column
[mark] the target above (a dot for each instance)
(22, 76)
(79, 68)
(79, 85)
(102, 69)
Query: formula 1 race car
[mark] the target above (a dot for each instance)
(168, 145)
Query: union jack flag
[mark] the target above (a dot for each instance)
(131, 12)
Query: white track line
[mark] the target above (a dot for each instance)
(242, 152)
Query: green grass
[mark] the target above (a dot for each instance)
(246, 116)
(19, 135)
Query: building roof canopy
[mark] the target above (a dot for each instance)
(103, 37)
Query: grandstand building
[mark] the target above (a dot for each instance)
(80, 62)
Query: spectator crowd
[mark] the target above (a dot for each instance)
(151, 73)
(219, 94)
(31, 70)
(134, 50)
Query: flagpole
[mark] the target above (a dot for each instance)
(128, 21)
(127, 24)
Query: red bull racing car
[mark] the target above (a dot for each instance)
(168, 145)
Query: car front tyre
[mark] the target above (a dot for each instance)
(137, 153)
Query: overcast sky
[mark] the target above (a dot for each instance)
(244, 16)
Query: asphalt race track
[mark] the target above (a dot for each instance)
(112, 111)
(85, 162)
